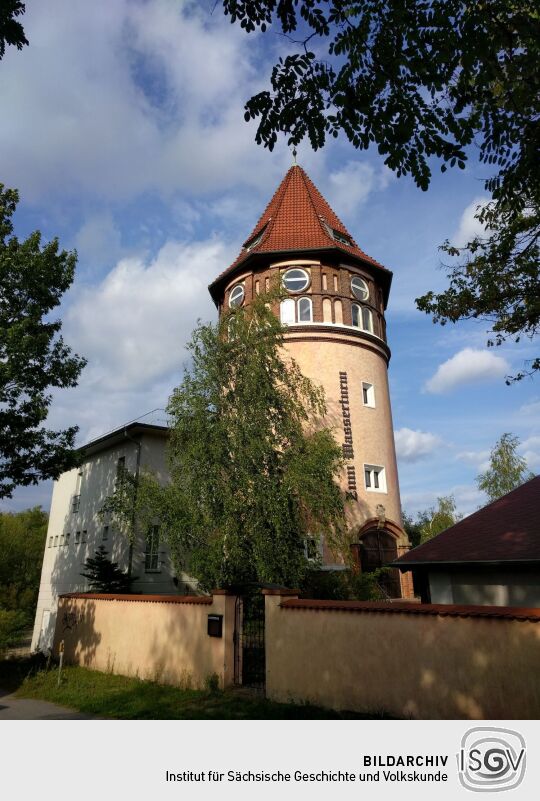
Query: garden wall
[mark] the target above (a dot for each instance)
(157, 637)
(417, 660)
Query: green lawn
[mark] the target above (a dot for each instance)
(112, 696)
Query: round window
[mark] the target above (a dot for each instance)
(295, 280)
(359, 288)
(236, 297)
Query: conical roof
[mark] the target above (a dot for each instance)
(298, 218)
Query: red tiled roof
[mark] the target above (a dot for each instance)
(507, 530)
(294, 220)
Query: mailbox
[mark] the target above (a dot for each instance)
(215, 625)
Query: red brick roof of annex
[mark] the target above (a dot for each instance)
(296, 219)
(507, 530)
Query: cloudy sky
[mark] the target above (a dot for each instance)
(122, 127)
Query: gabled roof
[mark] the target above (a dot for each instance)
(297, 218)
(507, 530)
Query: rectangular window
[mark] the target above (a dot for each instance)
(105, 535)
(68, 536)
(368, 394)
(75, 504)
(375, 478)
(61, 539)
(56, 541)
(50, 542)
(85, 532)
(77, 537)
(151, 555)
(324, 282)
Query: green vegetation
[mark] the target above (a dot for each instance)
(22, 540)
(33, 356)
(507, 469)
(424, 81)
(106, 695)
(253, 472)
(104, 575)
(432, 521)
(344, 585)
(11, 30)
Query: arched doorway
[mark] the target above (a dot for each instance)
(377, 547)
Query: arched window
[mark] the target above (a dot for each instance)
(367, 322)
(361, 317)
(287, 311)
(305, 311)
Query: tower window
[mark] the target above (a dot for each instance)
(305, 313)
(368, 394)
(105, 533)
(287, 311)
(77, 537)
(359, 288)
(375, 478)
(295, 280)
(151, 554)
(361, 317)
(236, 297)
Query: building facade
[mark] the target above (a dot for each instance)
(335, 296)
(334, 302)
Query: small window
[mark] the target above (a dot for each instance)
(50, 542)
(77, 537)
(295, 280)
(367, 323)
(62, 539)
(56, 541)
(256, 239)
(151, 554)
(105, 533)
(76, 502)
(287, 312)
(68, 536)
(305, 312)
(236, 297)
(85, 532)
(359, 288)
(361, 317)
(375, 478)
(313, 548)
(368, 394)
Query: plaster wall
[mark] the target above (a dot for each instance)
(491, 588)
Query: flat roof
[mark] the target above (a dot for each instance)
(120, 434)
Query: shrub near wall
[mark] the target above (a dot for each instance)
(421, 660)
(156, 637)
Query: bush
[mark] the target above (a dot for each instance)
(343, 585)
(12, 625)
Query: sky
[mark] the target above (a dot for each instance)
(123, 130)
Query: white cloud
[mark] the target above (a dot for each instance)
(469, 226)
(122, 98)
(479, 459)
(531, 409)
(350, 186)
(133, 326)
(414, 445)
(530, 450)
(468, 366)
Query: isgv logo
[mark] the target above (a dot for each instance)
(491, 759)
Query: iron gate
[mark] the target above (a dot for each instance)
(249, 652)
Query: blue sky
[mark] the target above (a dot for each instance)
(123, 131)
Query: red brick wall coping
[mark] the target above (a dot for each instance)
(442, 610)
(155, 599)
(279, 591)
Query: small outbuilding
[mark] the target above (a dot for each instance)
(490, 558)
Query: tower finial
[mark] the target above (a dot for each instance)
(294, 153)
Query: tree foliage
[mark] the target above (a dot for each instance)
(252, 469)
(432, 521)
(11, 30)
(424, 81)
(507, 470)
(22, 540)
(103, 575)
(33, 356)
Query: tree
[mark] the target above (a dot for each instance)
(252, 471)
(424, 80)
(507, 469)
(104, 575)
(33, 358)
(22, 540)
(11, 30)
(432, 521)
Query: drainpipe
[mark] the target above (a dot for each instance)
(137, 470)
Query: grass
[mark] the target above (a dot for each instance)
(119, 697)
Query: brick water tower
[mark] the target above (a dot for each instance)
(336, 296)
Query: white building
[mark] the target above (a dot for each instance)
(76, 529)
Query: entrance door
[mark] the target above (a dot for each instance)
(378, 549)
